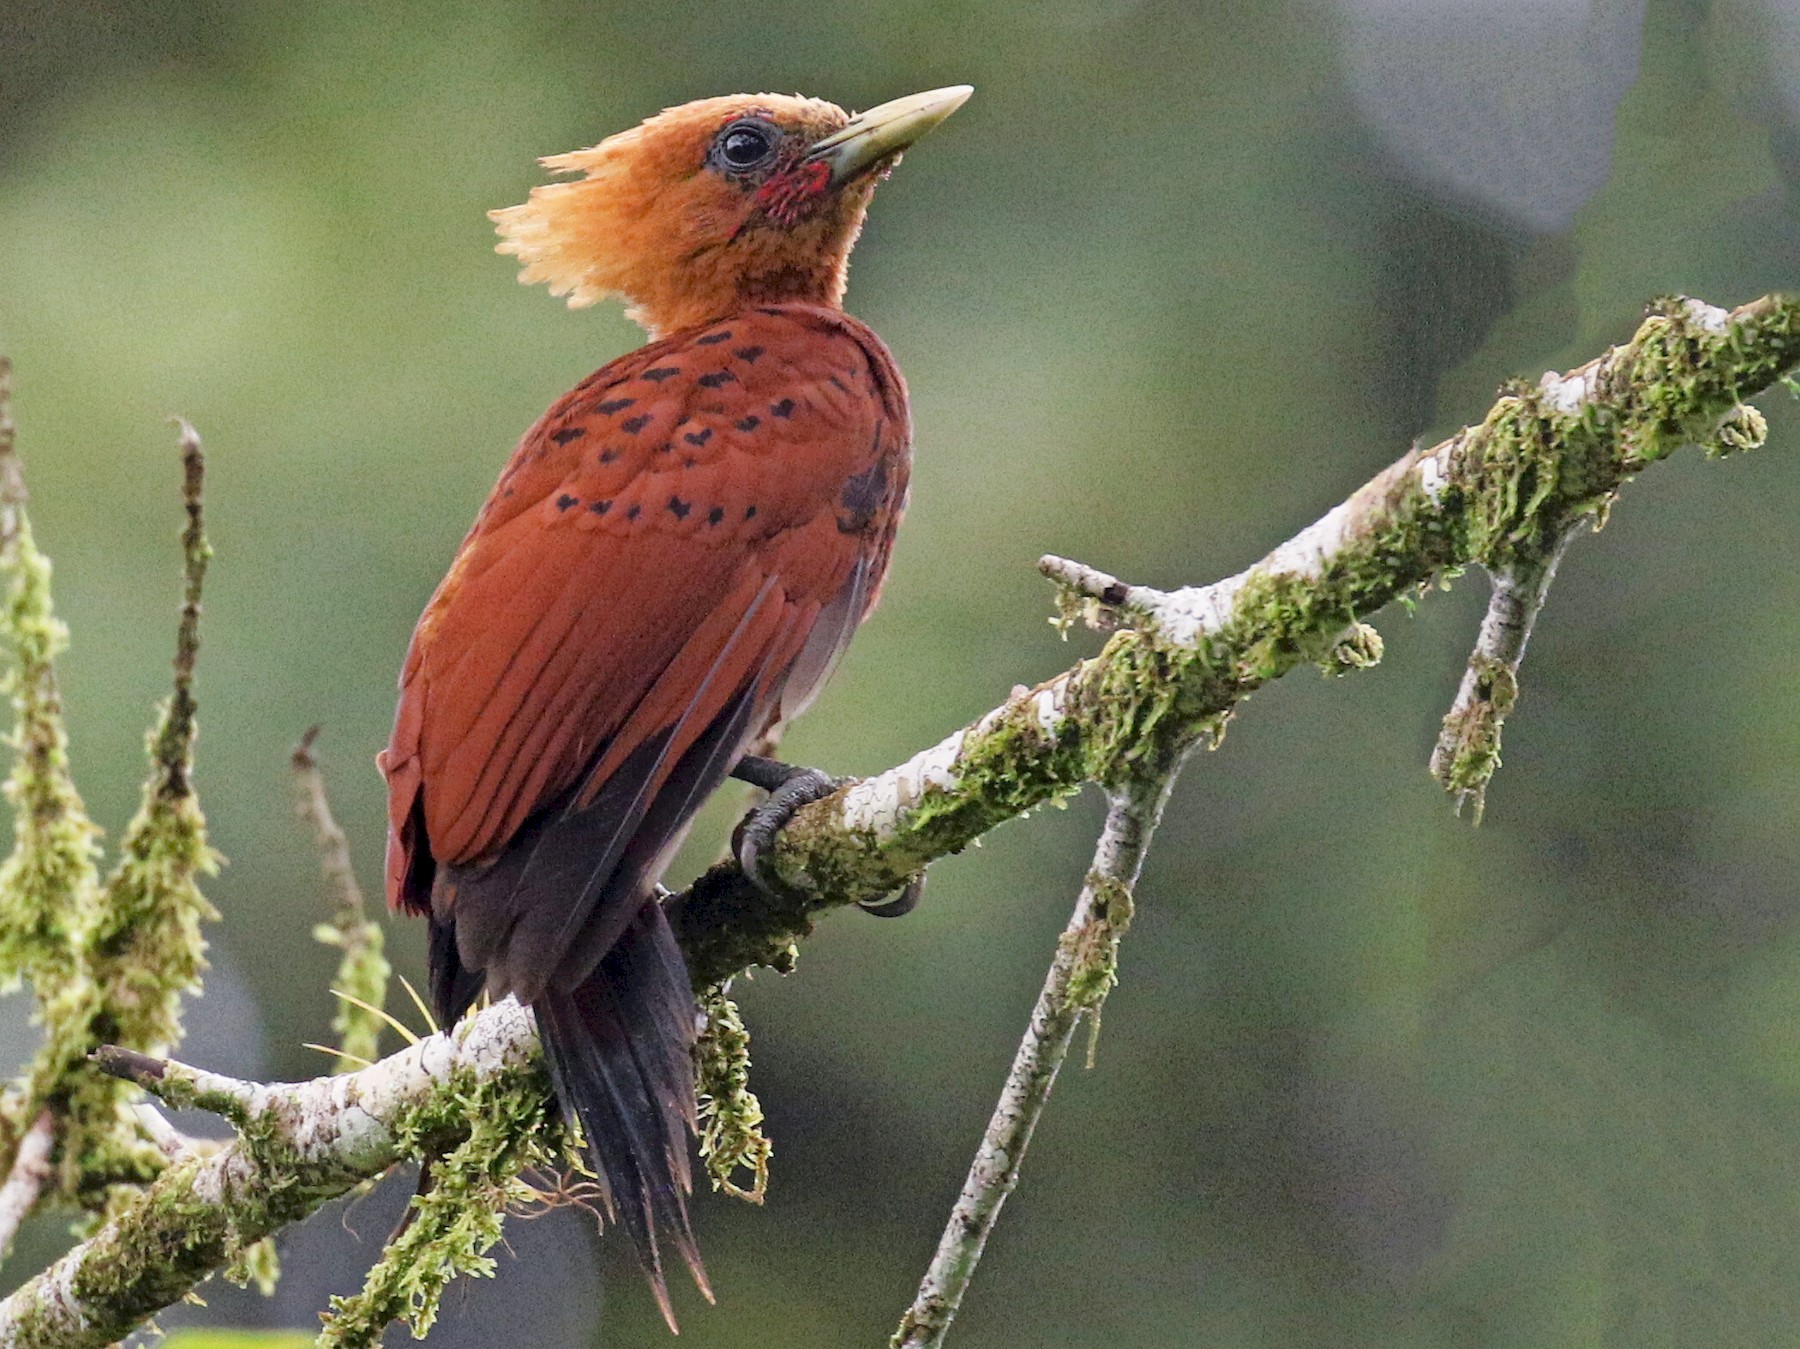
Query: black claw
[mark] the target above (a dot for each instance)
(789, 789)
(898, 906)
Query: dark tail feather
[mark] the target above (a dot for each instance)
(453, 988)
(620, 1054)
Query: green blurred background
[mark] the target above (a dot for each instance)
(1177, 279)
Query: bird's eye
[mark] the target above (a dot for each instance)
(744, 145)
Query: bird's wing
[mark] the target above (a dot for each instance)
(665, 537)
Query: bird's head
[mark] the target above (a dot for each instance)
(715, 205)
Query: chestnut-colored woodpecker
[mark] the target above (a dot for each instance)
(669, 567)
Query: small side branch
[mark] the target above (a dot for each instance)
(1468, 746)
(174, 744)
(362, 975)
(181, 1087)
(1131, 817)
(1098, 599)
(30, 1169)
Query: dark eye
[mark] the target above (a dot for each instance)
(744, 145)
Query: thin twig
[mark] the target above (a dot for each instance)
(25, 1182)
(363, 971)
(1131, 817)
(172, 1143)
(334, 844)
(1468, 746)
(12, 482)
(175, 738)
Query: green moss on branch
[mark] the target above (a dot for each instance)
(143, 949)
(456, 1218)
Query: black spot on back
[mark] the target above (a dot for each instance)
(713, 339)
(748, 354)
(717, 380)
(679, 508)
(599, 507)
(699, 437)
(662, 372)
(749, 512)
(568, 433)
(749, 423)
(862, 497)
(838, 384)
(716, 514)
(632, 425)
(785, 408)
(565, 501)
(613, 405)
(632, 512)
(607, 456)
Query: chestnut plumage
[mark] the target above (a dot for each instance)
(667, 570)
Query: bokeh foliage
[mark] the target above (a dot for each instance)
(1163, 292)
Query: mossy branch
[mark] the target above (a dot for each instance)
(109, 961)
(454, 1220)
(140, 950)
(50, 882)
(298, 1147)
(1503, 494)
(52, 875)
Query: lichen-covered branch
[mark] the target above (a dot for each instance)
(1502, 494)
(1084, 969)
(455, 1219)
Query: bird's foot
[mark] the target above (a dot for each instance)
(789, 789)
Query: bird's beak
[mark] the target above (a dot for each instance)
(871, 137)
